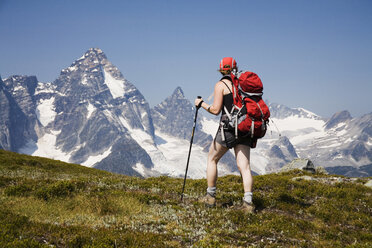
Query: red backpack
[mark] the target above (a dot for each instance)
(249, 114)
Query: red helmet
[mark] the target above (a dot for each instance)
(227, 64)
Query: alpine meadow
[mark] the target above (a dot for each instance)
(49, 203)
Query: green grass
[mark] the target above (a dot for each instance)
(47, 203)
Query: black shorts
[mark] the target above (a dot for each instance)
(230, 139)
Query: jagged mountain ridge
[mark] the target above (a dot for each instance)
(93, 116)
(339, 141)
(16, 112)
(175, 117)
(86, 115)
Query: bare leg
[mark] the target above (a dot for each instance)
(216, 151)
(242, 154)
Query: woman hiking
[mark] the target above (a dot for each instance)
(223, 98)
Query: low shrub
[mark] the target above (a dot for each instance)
(18, 190)
(58, 189)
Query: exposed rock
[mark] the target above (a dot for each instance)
(175, 116)
(368, 184)
(321, 170)
(281, 153)
(306, 178)
(299, 163)
(17, 112)
(338, 118)
(327, 180)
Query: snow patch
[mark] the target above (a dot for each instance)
(342, 132)
(339, 156)
(115, 86)
(258, 163)
(17, 88)
(72, 68)
(169, 154)
(45, 111)
(90, 109)
(329, 146)
(96, 158)
(349, 140)
(301, 130)
(108, 114)
(84, 81)
(146, 141)
(209, 126)
(143, 139)
(306, 139)
(140, 168)
(292, 123)
(339, 125)
(309, 113)
(175, 151)
(44, 88)
(46, 147)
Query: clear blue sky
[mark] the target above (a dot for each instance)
(312, 54)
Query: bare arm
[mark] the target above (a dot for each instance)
(216, 107)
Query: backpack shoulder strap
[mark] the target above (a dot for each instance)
(227, 85)
(231, 78)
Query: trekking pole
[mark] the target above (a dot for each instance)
(280, 135)
(192, 138)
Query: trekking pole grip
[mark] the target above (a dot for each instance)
(199, 105)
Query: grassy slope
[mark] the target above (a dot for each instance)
(51, 203)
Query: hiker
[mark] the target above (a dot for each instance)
(223, 97)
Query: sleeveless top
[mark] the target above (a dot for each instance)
(227, 102)
(227, 99)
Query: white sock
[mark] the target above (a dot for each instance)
(212, 191)
(248, 197)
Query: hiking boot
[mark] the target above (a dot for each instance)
(246, 207)
(208, 200)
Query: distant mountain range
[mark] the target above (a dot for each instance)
(92, 115)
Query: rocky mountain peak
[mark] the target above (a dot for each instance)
(338, 118)
(94, 55)
(284, 142)
(281, 112)
(92, 60)
(178, 93)
(281, 152)
(174, 115)
(21, 85)
(93, 73)
(2, 86)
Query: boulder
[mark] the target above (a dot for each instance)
(299, 163)
(321, 170)
(368, 184)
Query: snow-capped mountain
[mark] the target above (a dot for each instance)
(89, 114)
(93, 116)
(339, 141)
(173, 120)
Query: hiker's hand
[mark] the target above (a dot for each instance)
(198, 101)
